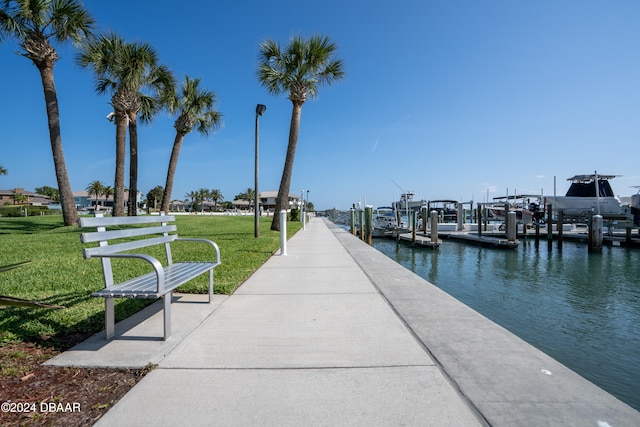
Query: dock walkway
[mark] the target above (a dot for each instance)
(335, 333)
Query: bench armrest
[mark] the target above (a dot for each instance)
(215, 247)
(151, 260)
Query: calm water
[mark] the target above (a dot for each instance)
(581, 309)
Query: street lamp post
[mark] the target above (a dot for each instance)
(260, 109)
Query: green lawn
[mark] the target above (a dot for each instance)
(59, 275)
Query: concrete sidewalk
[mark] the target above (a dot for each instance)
(335, 333)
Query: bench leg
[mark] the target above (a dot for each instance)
(109, 318)
(167, 314)
(211, 285)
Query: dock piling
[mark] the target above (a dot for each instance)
(353, 221)
(423, 212)
(560, 228)
(414, 226)
(512, 227)
(368, 225)
(549, 226)
(595, 234)
(434, 226)
(507, 220)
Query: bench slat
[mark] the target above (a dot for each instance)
(122, 220)
(146, 287)
(98, 236)
(120, 247)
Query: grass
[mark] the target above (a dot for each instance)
(58, 275)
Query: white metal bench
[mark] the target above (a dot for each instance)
(159, 283)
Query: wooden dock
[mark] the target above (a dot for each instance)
(497, 239)
(422, 239)
(491, 241)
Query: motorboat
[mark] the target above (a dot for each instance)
(591, 193)
(447, 209)
(407, 204)
(527, 208)
(384, 221)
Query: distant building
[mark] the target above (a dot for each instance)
(32, 199)
(267, 202)
(83, 201)
(179, 206)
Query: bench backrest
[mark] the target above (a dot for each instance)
(159, 228)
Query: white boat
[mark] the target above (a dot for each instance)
(384, 221)
(407, 204)
(527, 207)
(591, 193)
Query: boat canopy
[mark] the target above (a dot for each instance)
(443, 201)
(519, 197)
(588, 188)
(591, 177)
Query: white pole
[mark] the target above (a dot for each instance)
(283, 232)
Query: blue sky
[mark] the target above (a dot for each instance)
(449, 99)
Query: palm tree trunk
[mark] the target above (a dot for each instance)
(171, 172)
(133, 165)
(282, 201)
(121, 148)
(69, 211)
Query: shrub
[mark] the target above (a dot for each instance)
(18, 211)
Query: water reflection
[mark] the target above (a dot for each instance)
(582, 309)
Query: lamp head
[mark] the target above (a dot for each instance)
(260, 109)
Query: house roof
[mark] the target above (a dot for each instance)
(274, 194)
(21, 191)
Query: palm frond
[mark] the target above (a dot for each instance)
(20, 302)
(300, 68)
(4, 268)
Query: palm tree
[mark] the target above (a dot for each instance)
(107, 192)
(216, 196)
(34, 24)
(195, 108)
(124, 70)
(96, 188)
(160, 80)
(103, 55)
(202, 195)
(191, 195)
(19, 198)
(248, 195)
(3, 171)
(298, 71)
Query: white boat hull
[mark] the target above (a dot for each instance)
(581, 206)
